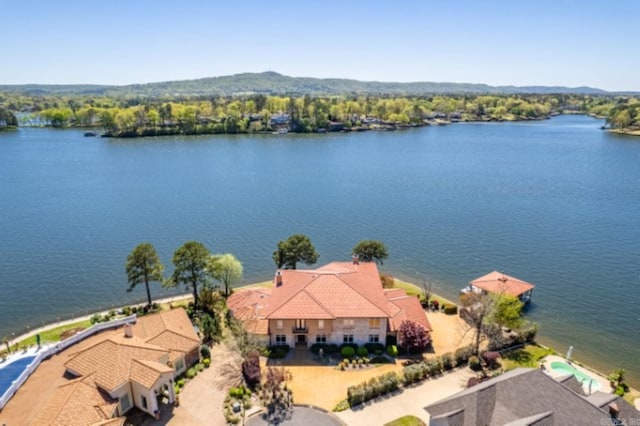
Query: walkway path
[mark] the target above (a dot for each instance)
(409, 402)
(202, 397)
(53, 325)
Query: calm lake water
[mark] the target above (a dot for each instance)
(554, 202)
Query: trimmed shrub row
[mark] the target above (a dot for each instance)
(373, 388)
(279, 351)
(375, 348)
(450, 309)
(327, 348)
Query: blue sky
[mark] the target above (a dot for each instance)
(568, 43)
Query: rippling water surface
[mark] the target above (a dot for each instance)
(555, 202)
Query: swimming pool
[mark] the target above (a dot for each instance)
(585, 379)
(12, 370)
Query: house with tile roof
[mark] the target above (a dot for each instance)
(499, 283)
(530, 397)
(117, 370)
(341, 302)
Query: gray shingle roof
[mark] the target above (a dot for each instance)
(521, 397)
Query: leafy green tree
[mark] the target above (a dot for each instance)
(226, 269)
(143, 266)
(7, 118)
(507, 311)
(210, 326)
(190, 262)
(371, 251)
(296, 248)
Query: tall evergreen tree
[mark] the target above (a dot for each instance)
(143, 266)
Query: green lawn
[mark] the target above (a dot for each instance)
(529, 356)
(414, 290)
(406, 421)
(49, 336)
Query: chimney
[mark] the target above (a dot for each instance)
(128, 331)
(614, 410)
(278, 279)
(355, 260)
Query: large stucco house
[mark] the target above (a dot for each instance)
(116, 370)
(341, 302)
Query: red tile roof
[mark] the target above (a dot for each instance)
(407, 308)
(247, 306)
(336, 290)
(497, 282)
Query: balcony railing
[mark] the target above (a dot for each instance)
(298, 330)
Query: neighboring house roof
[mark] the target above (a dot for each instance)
(335, 290)
(407, 308)
(497, 282)
(519, 397)
(80, 403)
(112, 359)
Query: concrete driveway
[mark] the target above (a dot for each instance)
(410, 401)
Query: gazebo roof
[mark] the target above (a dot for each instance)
(497, 282)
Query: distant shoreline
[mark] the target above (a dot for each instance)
(387, 126)
(627, 132)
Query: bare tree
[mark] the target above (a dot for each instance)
(427, 289)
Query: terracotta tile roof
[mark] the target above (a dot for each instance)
(497, 282)
(247, 306)
(147, 373)
(336, 290)
(111, 360)
(118, 421)
(175, 320)
(408, 309)
(169, 339)
(80, 403)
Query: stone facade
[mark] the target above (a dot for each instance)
(308, 332)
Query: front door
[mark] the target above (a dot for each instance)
(301, 339)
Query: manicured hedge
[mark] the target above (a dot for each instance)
(327, 348)
(392, 350)
(450, 309)
(347, 352)
(375, 387)
(279, 351)
(375, 348)
(362, 351)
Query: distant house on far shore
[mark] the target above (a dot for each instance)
(499, 283)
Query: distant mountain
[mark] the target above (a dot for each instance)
(272, 83)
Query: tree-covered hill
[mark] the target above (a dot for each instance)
(272, 83)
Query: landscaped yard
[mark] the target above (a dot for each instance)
(528, 356)
(53, 335)
(406, 421)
